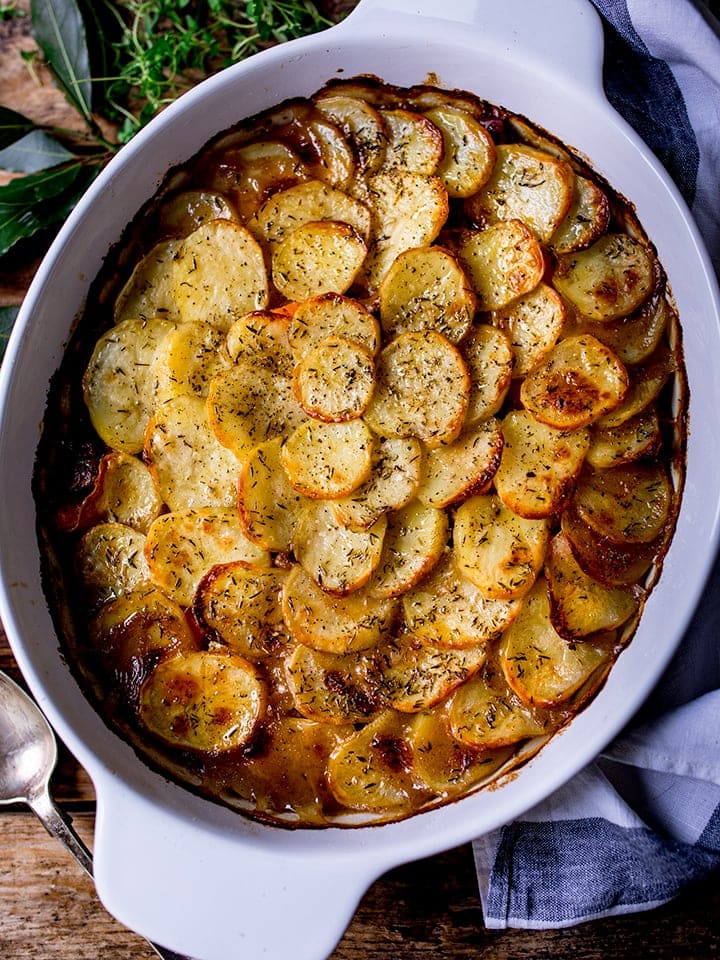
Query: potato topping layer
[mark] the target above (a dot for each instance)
(365, 457)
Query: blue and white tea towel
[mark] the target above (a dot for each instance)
(642, 822)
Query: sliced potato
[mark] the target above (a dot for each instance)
(328, 460)
(187, 360)
(118, 385)
(468, 151)
(422, 389)
(489, 359)
(219, 274)
(318, 257)
(334, 624)
(499, 551)
(335, 380)
(613, 564)
(268, 506)
(250, 173)
(182, 546)
(628, 504)
(425, 289)
(487, 715)
(111, 562)
(415, 540)
(330, 688)
(182, 213)
(414, 142)
(202, 701)
(646, 381)
(539, 465)
(587, 218)
(335, 163)
(150, 290)
(636, 437)
(502, 262)
(635, 338)
(361, 124)
(261, 338)
(463, 467)
(533, 324)
(332, 315)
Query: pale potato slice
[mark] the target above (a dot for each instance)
(119, 384)
(190, 467)
(187, 360)
(468, 154)
(361, 124)
(637, 437)
(261, 338)
(487, 715)
(332, 315)
(502, 262)
(182, 213)
(635, 338)
(579, 605)
(312, 200)
(539, 465)
(489, 359)
(394, 478)
(608, 280)
(414, 675)
(533, 324)
(150, 290)
(248, 405)
(111, 562)
(335, 163)
(447, 609)
(457, 470)
(182, 546)
(613, 564)
(414, 142)
(321, 256)
(219, 274)
(646, 381)
(249, 173)
(328, 460)
(422, 389)
(425, 289)
(334, 624)
(587, 218)
(526, 184)
(204, 702)
(339, 560)
(329, 687)
(578, 382)
(415, 540)
(268, 506)
(335, 380)
(628, 504)
(541, 667)
(240, 603)
(499, 551)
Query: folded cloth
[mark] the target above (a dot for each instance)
(643, 821)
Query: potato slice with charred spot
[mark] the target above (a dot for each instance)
(332, 315)
(612, 564)
(449, 610)
(533, 324)
(182, 213)
(579, 605)
(204, 702)
(586, 220)
(526, 184)
(338, 559)
(468, 151)
(328, 460)
(361, 124)
(335, 380)
(539, 465)
(635, 338)
(422, 389)
(628, 504)
(486, 714)
(118, 385)
(334, 624)
(646, 382)
(249, 173)
(318, 257)
(608, 280)
(188, 464)
(499, 551)
(182, 546)
(539, 665)
(268, 506)
(502, 263)
(240, 603)
(261, 338)
(219, 274)
(425, 289)
(578, 382)
(111, 562)
(459, 469)
(188, 359)
(415, 540)
(150, 290)
(414, 142)
(637, 437)
(329, 687)
(489, 359)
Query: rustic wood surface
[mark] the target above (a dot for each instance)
(48, 907)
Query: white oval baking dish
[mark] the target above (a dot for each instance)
(181, 870)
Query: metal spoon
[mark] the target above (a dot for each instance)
(28, 754)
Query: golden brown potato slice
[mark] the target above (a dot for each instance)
(637, 437)
(422, 389)
(499, 551)
(502, 262)
(187, 360)
(578, 382)
(202, 701)
(261, 338)
(334, 624)
(586, 220)
(339, 560)
(321, 256)
(332, 315)
(335, 163)
(361, 124)
(328, 460)
(580, 605)
(635, 338)
(414, 542)
(628, 504)
(526, 184)
(465, 466)
(425, 289)
(329, 687)
(449, 610)
(119, 382)
(150, 290)
(111, 562)
(249, 173)
(486, 714)
(539, 465)
(613, 564)
(182, 213)
(335, 380)
(190, 467)
(414, 142)
(240, 603)
(608, 280)
(268, 506)
(533, 324)
(182, 546)
(394, 477)
(541, 667)
(468, 154)
(646, 381)
(489, 359)
(219, 274)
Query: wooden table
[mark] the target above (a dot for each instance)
(48, 907)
